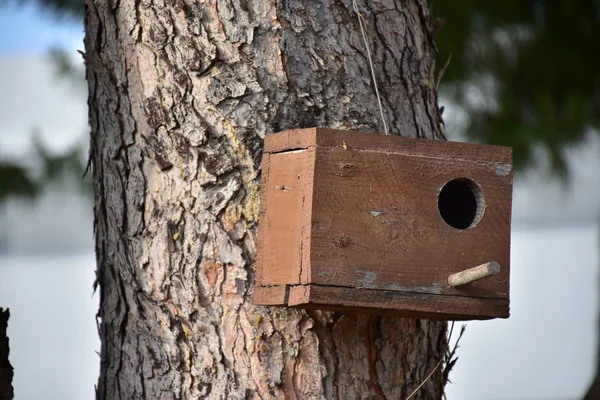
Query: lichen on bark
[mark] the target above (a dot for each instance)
(181, 95)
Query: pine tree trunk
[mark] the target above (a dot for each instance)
(181, 95)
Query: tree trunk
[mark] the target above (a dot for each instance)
(593, 391)
(182, 94)
(6, 369)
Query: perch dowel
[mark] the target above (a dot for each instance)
(331, 199)
(473, 274)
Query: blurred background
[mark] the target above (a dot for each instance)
(522, 73)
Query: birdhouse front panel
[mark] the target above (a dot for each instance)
(373, 223)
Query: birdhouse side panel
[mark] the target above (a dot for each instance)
(285, 218)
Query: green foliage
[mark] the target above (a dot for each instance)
(66, 67)
(526, 71)
(16, 180)
(69, 165)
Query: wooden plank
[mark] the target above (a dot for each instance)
(323, 137)
(415, 147)
(269, 295)
(293, 139)
(364, 301)
(298, 295)
(376, 224)
(285, 240)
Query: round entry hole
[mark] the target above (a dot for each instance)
(460, 203)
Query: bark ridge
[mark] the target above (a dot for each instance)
(181, 95)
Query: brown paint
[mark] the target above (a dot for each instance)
(350, 221)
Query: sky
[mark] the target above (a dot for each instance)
(26, 30)
(26, 35)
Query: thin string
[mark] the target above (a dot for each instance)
(434, 369)
(364, 36)
(425, 380)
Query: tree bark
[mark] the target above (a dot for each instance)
(6, 369)
(593, 391)
(182, 94)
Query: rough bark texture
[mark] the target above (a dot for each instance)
(6, 369)
(181, 96)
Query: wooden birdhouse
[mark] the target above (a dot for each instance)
(370, 223)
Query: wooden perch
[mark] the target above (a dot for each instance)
(474, 274)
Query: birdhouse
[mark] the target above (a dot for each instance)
(370, 223)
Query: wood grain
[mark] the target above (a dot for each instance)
(311, 137)
(365, 217)
(181, 95)
(405, 304)
(285, 228)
